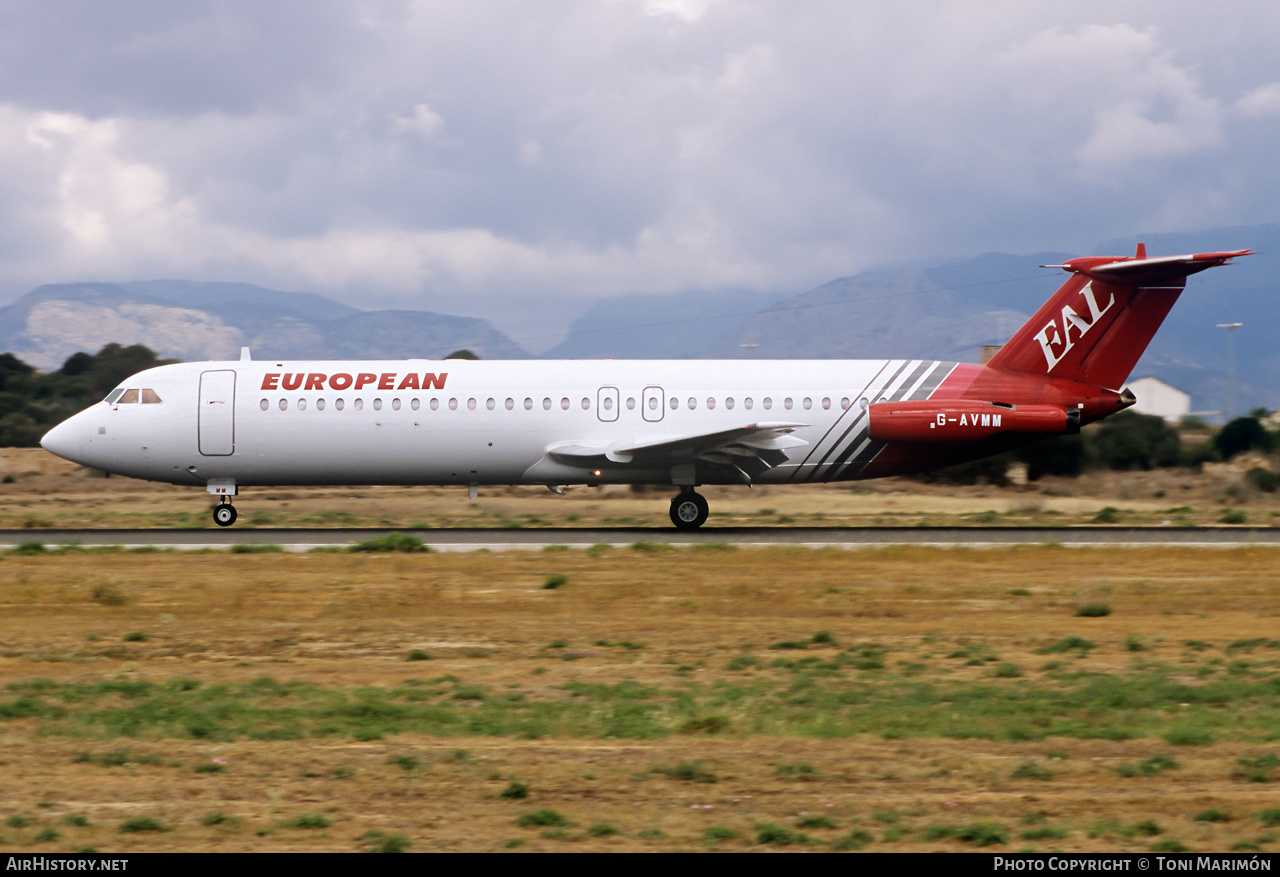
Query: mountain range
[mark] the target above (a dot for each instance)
(943, 309)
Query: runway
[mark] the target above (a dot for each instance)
(474, 539)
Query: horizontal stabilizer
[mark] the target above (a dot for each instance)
(1096, 326)
(1151, 272)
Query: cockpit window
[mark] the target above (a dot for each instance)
(129, 397)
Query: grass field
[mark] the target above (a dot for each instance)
(641, 698)
(41, 492)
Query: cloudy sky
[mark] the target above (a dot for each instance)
(516, 160)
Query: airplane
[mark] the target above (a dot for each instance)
(247, 423)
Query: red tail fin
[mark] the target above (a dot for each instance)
(1097, 325)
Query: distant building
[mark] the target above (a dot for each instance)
(1158, 398)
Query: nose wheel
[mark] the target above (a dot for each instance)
(689, 511)
(224, 514)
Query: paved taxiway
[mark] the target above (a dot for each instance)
(464, 539)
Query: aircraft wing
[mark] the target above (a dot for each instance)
(745, 450)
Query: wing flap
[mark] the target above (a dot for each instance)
(754, 436)
(745, 450)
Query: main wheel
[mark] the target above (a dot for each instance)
(689, 511)
(224, 515)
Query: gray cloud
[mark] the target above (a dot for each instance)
(514, 161)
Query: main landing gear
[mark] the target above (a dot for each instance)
(224, 514)
(689, 510)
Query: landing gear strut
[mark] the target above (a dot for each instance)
(224, 514)
(689, 510)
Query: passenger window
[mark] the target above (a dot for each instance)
(435, 404)
(808, 403)
(608, 403)
(546, 404)
(129, 397)
(747, 403)
(844, 403)
(339, 404)
(415, 404)
(453, 404)
(359, 404)
(149, 397)
(653, 403)
(564, 403)
(319, 404)
(693, 403)
(528, 404)
(711, 403)
(786, 403)
(377, 404)
(586, 403)
(302, 404)
(631, 403)
(264, 404)
(284, 404)
(826, 403)
(675, 403)
(489, 403)
(728, 403)
(395, 404)
(471, 404)
(767, 403)
(511, 403)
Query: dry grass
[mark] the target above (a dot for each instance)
(673, 626)
(46, 492)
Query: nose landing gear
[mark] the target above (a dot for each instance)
(689, 510)
(224, 514)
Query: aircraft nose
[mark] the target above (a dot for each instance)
(64, 440)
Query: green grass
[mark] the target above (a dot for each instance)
(380, 842)
(854, 840)
(815, 822)
(980, 834)
(391, 542)
(1030, 770)
(689, 771)
(805, 696)
(219, 818)
(1149, 767)
(774, 835)
(1259, 769)
(310, 821)
(407, 763)
(515, 791)
(545, 818)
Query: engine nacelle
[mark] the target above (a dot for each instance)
(952, 421)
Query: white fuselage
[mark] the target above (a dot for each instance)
(261, 422)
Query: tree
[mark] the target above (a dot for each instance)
(1240, 435)
(1129, 440)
